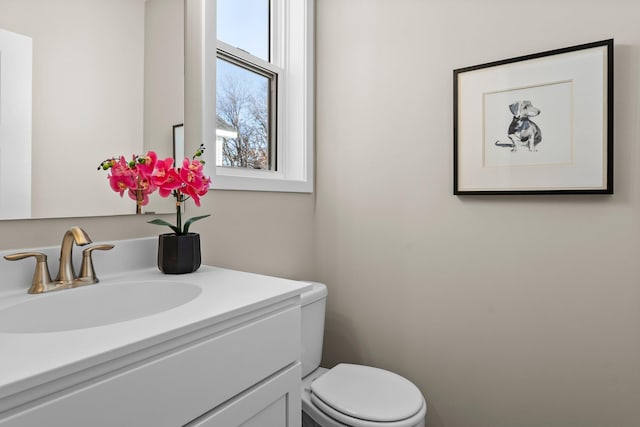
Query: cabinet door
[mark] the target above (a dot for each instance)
(274, 402)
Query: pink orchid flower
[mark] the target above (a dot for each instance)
(133, 195)
(165, 178)
(145, 165)
(194, 184)
(143, 188)
(145, 174)
(122, 177)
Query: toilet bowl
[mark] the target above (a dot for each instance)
(347, 394)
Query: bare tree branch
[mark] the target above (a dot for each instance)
(245, 108)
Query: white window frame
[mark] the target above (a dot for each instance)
(291, 52)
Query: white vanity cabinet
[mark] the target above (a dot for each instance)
(237, 365)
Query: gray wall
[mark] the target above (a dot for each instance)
(505, 311)
(268, 233)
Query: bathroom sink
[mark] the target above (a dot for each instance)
(94, 305)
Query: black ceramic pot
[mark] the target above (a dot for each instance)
(178, 254)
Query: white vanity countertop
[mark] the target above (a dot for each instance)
(29, 360)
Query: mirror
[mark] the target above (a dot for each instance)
(82, 81)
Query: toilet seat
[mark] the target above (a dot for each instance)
(364, 396)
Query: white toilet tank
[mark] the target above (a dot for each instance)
(313, 303)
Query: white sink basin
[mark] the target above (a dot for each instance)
(94, 305)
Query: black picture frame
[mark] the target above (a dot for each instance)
(568, 149)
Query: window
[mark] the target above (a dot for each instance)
(246, 85)
(245, 105)
(262, 116)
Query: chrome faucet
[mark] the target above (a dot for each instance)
(66, 277)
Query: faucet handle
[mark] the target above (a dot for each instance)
(41, 277)
(87, 272)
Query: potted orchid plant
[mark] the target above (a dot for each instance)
(178, 252)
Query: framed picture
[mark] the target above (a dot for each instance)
(178, 143)
(536, 124)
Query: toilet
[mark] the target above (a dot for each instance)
(350, 395)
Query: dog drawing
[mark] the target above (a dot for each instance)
(523, 132)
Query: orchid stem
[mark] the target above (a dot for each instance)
(179, 214)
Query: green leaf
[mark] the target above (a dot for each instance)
(159, 221)
(190, 221)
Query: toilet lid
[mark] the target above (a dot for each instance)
(368, 393)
